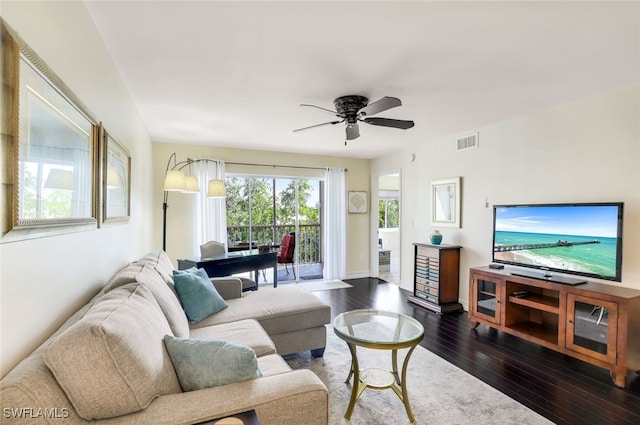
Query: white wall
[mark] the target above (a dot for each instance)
(43, 281)
(583, 151)
(180, 212)
(389, 182)
(390, 238)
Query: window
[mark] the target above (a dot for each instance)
(388, 213)
(261, 210)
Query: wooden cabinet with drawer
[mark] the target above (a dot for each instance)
(436, 277)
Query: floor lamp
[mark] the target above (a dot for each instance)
(176, 181)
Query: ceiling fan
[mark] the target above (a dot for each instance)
(352, 109)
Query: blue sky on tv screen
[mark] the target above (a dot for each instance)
(583, 220)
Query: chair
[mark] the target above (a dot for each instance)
(213, 248)
(287, 249)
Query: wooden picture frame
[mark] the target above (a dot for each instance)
(357, 202)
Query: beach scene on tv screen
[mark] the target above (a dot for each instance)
(581, 239)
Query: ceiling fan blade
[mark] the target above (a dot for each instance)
(318, 125)
(318, 107)
(380, 105)
(353, 131)
(388, 122)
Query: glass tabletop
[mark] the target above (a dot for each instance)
(377, 327)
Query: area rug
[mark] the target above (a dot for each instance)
(323, 285)
(439, 392)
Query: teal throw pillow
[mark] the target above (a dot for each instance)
(203, 363)
(197, 294)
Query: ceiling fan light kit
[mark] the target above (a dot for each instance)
(352, 109)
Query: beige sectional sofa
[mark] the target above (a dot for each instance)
(108, 363)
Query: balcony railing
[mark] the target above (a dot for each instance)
(308, 241)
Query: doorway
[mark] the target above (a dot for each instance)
(387, 225)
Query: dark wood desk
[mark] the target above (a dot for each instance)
(242, 246)
(236, 262)
(245, 246)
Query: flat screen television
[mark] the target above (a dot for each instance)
(578, 239)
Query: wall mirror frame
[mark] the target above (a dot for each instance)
(49, 152)
(116, 180)
(445, 202)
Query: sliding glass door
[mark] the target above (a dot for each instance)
(262, 210)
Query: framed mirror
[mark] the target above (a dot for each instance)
(49, 149)
(445, 202)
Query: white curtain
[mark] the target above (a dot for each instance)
(334, 224)
(210, 214)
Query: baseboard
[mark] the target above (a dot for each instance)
(465, 304)
(358, 274)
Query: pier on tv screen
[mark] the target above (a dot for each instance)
(582, 239)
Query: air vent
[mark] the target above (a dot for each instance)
(467, 142)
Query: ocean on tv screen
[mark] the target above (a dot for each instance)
(585, 254)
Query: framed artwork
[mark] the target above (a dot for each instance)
(50, 172)
(445, 202)
(116, 180)
(357, 202)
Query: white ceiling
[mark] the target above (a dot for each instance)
(233, 73)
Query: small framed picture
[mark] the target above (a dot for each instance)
(116, 180)
(357, 202)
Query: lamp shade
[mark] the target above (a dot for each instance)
(216, 189)
(174, 181)
(59, 179)
(191, 184)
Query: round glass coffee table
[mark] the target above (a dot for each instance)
(380, 330)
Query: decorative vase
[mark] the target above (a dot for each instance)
(436, 237)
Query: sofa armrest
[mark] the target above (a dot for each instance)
(228, 287)
(293, 398)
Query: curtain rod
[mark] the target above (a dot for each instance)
(279, 166)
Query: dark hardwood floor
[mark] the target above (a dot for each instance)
(560, 388)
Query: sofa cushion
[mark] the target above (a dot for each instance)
(273, 364)
(125, 275)
(278, 310)
(168, 301)
(161, 262)
(198, 295)
(244, 332)
(201, 363)
(113, 361)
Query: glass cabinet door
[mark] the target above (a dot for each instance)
(588, 330)
(486, 300)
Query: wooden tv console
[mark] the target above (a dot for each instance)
(594, 322)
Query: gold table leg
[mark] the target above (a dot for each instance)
(405, 396)
(355, 390)
(359, 387)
